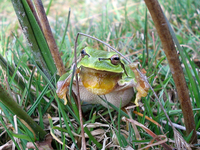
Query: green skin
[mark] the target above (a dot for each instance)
(125, 84)
(103, 65)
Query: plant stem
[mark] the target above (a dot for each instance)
(174, 63)
(49, 37)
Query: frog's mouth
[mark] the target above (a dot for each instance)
(97, 81)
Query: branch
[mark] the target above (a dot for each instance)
(174, 63)
(49, 37)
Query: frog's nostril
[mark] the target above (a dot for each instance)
(83, 53)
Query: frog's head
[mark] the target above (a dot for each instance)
(101, 60)
(100, 70)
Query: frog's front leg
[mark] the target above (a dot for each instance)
(142, 86)
(62, 86)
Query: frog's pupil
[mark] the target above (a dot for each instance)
(116, 58)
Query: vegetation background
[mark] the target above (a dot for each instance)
(125, 25)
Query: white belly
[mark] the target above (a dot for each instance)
(113, 97)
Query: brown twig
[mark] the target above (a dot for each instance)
(49, 37)
(83, 146)
(174, 63)
(152, 134)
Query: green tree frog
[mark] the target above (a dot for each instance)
(103, 74)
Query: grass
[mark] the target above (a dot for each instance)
(125, 26)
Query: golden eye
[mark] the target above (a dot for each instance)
(115, 59)
(83, 53)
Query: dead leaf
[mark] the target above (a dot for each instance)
(44, 145)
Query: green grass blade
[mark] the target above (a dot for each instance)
(48, 8)
(8, 101)
(188, 70)
(18, 80)
(36, 103)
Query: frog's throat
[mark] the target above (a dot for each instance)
(97, 81)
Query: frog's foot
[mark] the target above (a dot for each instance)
(61, 91)
(142, 91)
(142, 86)
(63, 97)
(62, 86)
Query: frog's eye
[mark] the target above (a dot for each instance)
(83, 53)
(115, 59)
